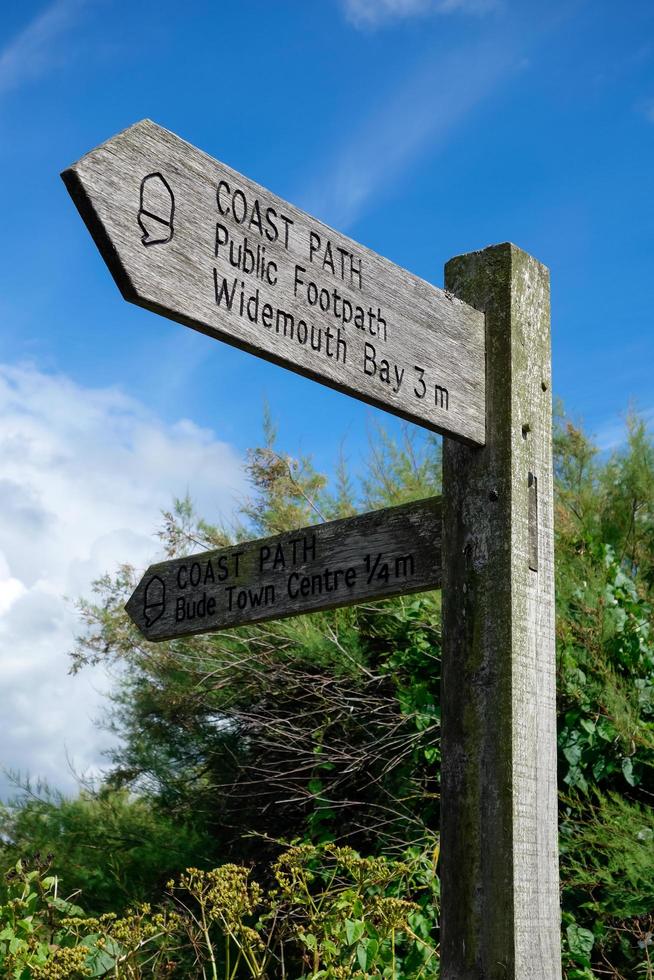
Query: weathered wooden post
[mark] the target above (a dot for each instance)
(499, 866)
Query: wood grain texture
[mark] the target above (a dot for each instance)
(377, 555)
(191, 239)
(499, 867)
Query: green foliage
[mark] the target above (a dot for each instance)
(329, 913)
(576, 949)
(354, 917)
(45, 937)
(607, 846)
(605, 648)
(325, 730)
(608, 672)
(327, 727)
(114, 847)
(32, 942)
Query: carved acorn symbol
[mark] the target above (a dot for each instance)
(156, 210)
(154, 600)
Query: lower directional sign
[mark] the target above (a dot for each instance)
(373, 556)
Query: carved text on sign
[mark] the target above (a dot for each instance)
(383, 553)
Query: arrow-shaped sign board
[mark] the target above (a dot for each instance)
(187, 237)
(373, 556)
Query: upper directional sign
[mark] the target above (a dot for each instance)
(187, 237)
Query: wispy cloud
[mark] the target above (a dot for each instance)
(373, 13)
(421, 115)
(84, 474)
(427, 107)
(35, 49)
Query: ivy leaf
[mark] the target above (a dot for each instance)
(628, 771)
(580, 943)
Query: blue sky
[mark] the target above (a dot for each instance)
(422, 128)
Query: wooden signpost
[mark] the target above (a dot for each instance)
(187, 237)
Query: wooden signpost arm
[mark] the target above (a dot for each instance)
(189, 238)
(499, 865)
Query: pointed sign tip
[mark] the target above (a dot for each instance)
(134, 609)
(76, 188)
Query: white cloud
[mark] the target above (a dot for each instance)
(84, 474)
(34, 49)
(372, 13)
